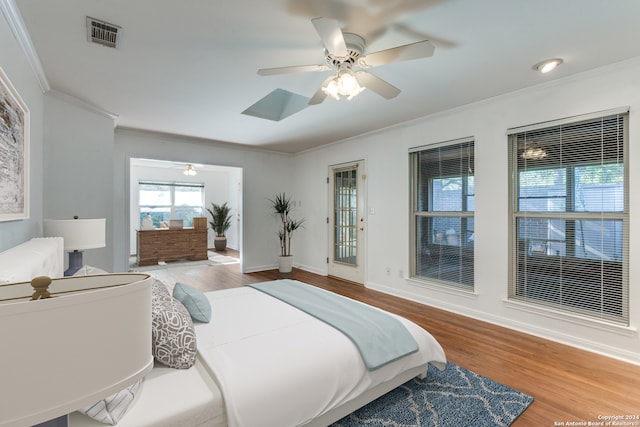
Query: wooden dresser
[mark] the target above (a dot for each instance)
(171, 245)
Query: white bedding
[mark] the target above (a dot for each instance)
(40, 256)
(278, 366)
(170, 398)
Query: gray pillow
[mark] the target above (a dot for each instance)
(172, 332)
(158, 288)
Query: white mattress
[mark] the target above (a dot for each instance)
(170, 398)
(278, 366)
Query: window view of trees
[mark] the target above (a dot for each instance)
(595, 188)
(167, 201)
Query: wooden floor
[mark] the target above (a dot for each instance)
(568, 385)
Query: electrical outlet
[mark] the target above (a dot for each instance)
(388, 271)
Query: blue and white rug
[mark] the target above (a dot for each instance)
(453, 397)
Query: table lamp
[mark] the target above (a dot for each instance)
(80, 340)
(78, 234)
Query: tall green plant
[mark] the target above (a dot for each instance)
(220, 218)
(281, 205)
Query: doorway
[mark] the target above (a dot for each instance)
(220, 184)
(346, 221)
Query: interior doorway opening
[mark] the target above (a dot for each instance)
(162, 190)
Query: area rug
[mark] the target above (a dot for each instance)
(214, 259)
(453, 397)
(217, 259)
(167, 265)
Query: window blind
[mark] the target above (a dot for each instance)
(570, 222)
(443, 197)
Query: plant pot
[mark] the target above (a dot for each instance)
(220, 243)
(285, 264)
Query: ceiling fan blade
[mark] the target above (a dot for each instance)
(376, 84)
(331, 34)
(318, 97)
(293, 69)
(407, 52)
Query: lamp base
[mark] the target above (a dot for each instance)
(62, 421)
(75, 263)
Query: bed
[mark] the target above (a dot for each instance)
(263, 362)
(279, 366)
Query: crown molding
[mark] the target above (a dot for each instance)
(16, 24)
(84, 105)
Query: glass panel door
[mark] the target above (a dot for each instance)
(345, 210)
(346, 222)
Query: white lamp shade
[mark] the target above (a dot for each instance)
(91, 339)
(78, 234)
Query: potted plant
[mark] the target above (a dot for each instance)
(220, 223)
(281, 206)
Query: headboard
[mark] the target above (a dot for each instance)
(40, 256)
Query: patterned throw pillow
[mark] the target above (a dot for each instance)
(172, 332)
(111, 409)
(158, 288)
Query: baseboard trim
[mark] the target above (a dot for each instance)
(526, 328)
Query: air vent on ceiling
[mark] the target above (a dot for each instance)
(102, 32)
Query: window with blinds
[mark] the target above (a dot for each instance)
(164, 201)
(570, 221)
(442, 233)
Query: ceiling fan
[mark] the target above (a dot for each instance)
(345, 53)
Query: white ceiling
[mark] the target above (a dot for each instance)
(189, 67)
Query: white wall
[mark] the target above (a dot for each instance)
(14, 64)
(387, 235)
(220, 185)
(263, 174)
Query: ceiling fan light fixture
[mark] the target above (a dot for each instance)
(190, 171)
(331, 89)
(547, 65)
(343, 84)
(347, 82)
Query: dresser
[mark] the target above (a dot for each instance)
(171, 245)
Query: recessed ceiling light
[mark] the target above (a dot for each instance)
(547, 65)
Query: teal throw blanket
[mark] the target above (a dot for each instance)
(379, 337)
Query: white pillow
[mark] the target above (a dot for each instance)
(111, 409)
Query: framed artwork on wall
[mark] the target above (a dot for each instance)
(14, 153)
